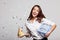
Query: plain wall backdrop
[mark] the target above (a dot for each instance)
(13, 14)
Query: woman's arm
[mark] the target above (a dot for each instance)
(27, 35)
(51, 30)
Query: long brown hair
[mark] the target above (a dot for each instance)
(39, 16)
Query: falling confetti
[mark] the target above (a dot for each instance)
(20, 18)
(13, 17)
(3, 27)
(2, 35)
(16, 23)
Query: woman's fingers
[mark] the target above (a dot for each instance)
(47, 34)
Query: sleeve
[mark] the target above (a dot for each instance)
(49, 22)
(27, 30)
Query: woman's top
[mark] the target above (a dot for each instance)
(33, 27)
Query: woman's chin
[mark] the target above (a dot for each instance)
(34, 16)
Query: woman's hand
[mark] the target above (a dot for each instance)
(52, 29)
(27, 35)
(47, 34)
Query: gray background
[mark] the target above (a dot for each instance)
(13, 14)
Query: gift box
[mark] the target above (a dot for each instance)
(44, 28)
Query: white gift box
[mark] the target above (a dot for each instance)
(44, 28)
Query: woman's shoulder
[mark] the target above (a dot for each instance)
(46, 20)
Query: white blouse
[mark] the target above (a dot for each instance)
(35, 25)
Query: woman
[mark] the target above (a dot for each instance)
(34, 21)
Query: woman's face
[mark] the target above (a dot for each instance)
(35, 11)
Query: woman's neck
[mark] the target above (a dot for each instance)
(34, 18)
